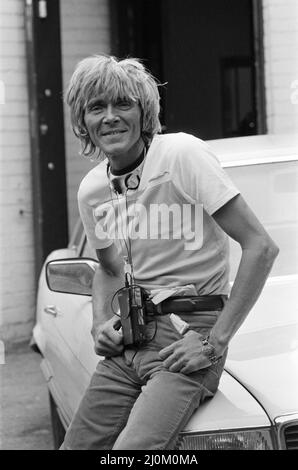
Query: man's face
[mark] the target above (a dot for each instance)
(115, 127)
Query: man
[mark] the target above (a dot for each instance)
(157, 209)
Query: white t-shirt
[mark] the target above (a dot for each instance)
(174, 241)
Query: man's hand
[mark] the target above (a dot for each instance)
(108, 338)
(185, 355)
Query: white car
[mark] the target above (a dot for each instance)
(256, 405)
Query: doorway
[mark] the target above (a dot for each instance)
(206, 53)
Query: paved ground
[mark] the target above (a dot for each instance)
(25, 419)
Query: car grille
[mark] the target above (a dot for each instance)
(291, 437)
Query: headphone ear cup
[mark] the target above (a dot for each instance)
(132, 181)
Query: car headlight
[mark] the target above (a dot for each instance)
(250, 439)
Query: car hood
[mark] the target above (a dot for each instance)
(260, 381)
(232, 407)
(263, 356)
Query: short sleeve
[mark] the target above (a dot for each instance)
(197, 174)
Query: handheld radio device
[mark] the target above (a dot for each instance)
(131, 301)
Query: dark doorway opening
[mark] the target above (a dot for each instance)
(209, 55)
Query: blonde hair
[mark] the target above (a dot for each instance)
(113, 78)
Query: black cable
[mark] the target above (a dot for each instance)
(119, 290)
(128, 238)
(155, 330)
(116, 293)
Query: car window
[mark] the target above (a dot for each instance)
(271, 191)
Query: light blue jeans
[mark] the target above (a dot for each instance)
(133, 402)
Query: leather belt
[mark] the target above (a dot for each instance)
(180, 304)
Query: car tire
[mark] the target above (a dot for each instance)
(57, 426)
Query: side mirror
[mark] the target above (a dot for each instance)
(71, 276)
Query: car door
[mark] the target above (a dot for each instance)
(74, 345)
(62, 334)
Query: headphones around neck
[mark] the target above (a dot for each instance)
(132, 181)
(118, 184)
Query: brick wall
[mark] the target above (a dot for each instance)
(281, 64)
(16, 234)
(84, 31)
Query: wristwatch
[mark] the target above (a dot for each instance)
(209, 351)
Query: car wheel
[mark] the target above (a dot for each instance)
(57, 426)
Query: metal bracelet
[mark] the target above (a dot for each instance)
(209, 351)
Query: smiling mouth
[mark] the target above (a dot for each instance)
(116, 132)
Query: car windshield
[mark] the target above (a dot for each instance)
(271, 191)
